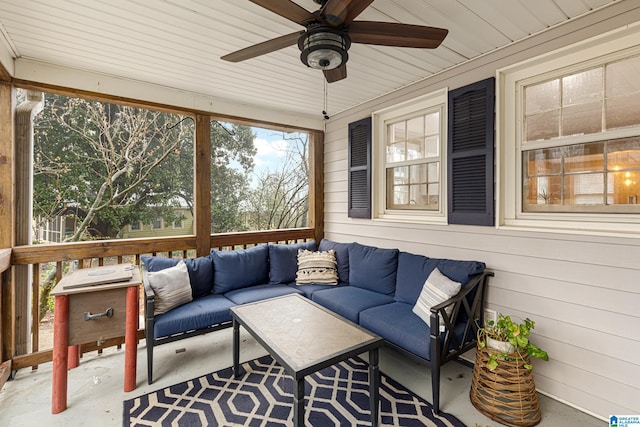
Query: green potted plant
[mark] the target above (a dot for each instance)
(502, 386)
(510, 339)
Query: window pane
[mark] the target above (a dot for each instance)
(397, 132)
(432, 146)
(419, 196)
(626, 188)
(584, 158)
(396, 152)
(623, 111)
(415, 128)
(543, 162)
(543, 190)
(582, 87)
(542, 126)
(582, 119)
(622, 77)
(434, 195)
(434, 172)
(432, 124)
(542, 97)
(415, 149)
(623, 154)
(584, 189)
(418, 174)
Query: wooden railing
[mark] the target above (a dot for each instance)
(68, 256)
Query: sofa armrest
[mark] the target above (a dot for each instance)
(467, 306)
(149, 295)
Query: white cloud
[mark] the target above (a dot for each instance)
(269, 151)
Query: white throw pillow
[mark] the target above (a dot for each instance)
(317, 267)
(437, 289)
(171, 287)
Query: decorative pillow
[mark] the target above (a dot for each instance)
(200, 271)
(316, 267)
(171, 287)
(437, 289)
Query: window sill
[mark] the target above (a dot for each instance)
(585, 228)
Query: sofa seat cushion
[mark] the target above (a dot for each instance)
(198, 314)
(397, 323)
(373, 268)
(342, 256)
(283, 261)
(349, 301)
(200, 271)
(310, 288)
(240, 268)
(259, 292)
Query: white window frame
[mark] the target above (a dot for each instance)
(420, 105)
(615, 45)
(140, 226)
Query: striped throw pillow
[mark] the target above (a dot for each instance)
(171, 287)
(438, 288)
(316, 267)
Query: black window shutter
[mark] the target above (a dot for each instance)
(470, 145)
(360, 168)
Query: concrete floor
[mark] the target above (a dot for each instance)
(95, 388)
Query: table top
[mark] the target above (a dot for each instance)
(302, 335)
(98, 279)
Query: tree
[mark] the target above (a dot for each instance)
(281, 198)
(112, 165)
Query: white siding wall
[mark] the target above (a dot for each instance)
(582, 291)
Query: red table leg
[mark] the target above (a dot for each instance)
(130, 339)
(73, 356)
(60, 344)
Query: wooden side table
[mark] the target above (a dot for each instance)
(93, 304)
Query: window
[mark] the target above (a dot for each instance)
(135, 226)
(409, 142)
(156, 224)
(178, 223)
(571, 137)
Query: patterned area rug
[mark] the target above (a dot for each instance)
(335, 396)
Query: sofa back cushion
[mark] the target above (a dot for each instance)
(373, 268)
(240, 268)
(342, 256)
(413, 271)
(200, 271)
(283, 261)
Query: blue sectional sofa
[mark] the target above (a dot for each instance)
(377, 288)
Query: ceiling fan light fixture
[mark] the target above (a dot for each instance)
(324, 48)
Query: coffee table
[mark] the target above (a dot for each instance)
(304, 337)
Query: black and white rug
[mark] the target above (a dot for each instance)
(335, 396)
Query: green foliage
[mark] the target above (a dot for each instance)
(517, 334)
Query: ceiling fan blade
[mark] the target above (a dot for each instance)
(343, 12)
(395, 34)
(336, 74)
(287, 9)
(264, 47)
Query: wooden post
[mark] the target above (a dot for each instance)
(60, 344)
(202, 185)
(131, 339)
(7, 283)
(316, 184)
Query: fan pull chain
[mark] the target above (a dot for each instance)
(325, 115)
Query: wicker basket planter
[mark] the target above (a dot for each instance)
(507, 394)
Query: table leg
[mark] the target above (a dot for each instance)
(236, 348)
(298, 403)
(60, 354)
(73, 356)
(374, 384)
(131, 339)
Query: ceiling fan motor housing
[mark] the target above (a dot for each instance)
(323, 47)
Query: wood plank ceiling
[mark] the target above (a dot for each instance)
(178, 43)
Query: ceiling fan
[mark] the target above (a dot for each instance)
(330, 30)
